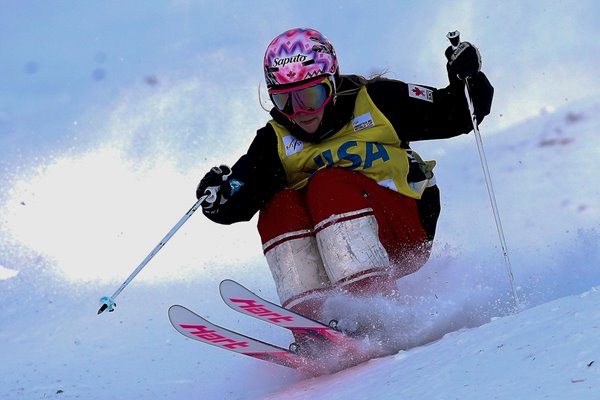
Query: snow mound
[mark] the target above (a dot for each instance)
(549, 351)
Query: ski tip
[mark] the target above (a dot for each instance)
(227, 282)
(174, 308)
(177, 308)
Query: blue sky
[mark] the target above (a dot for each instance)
(71, 55)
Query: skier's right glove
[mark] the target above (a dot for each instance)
(464, 61)
(216, 186)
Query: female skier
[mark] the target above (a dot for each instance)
(344, 204)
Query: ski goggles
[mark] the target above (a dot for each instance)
(309, 98)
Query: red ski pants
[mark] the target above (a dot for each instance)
(344, 212)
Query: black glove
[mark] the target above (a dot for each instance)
(216, 186)
(463, 61)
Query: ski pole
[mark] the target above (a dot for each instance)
(109, 302)
(454, 38)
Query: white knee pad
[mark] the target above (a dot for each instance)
(350, 247)
(296, 266)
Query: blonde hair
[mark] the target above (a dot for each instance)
(358, 81)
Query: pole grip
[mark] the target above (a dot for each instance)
(454, 38)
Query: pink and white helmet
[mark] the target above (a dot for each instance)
(297, 55)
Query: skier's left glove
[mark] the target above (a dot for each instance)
(216, 186)
(463, 62)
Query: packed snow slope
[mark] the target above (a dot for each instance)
(110, 113)
(462, 340)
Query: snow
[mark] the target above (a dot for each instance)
(508, 357)
(110, 113)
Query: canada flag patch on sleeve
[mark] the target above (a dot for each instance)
(420, 92)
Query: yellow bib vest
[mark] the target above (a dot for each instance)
(367, 144)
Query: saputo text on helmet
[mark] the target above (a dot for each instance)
(287, 60)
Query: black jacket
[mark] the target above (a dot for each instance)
(260, 169)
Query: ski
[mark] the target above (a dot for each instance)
(198, 328)
(319, 348)
(245, 301)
